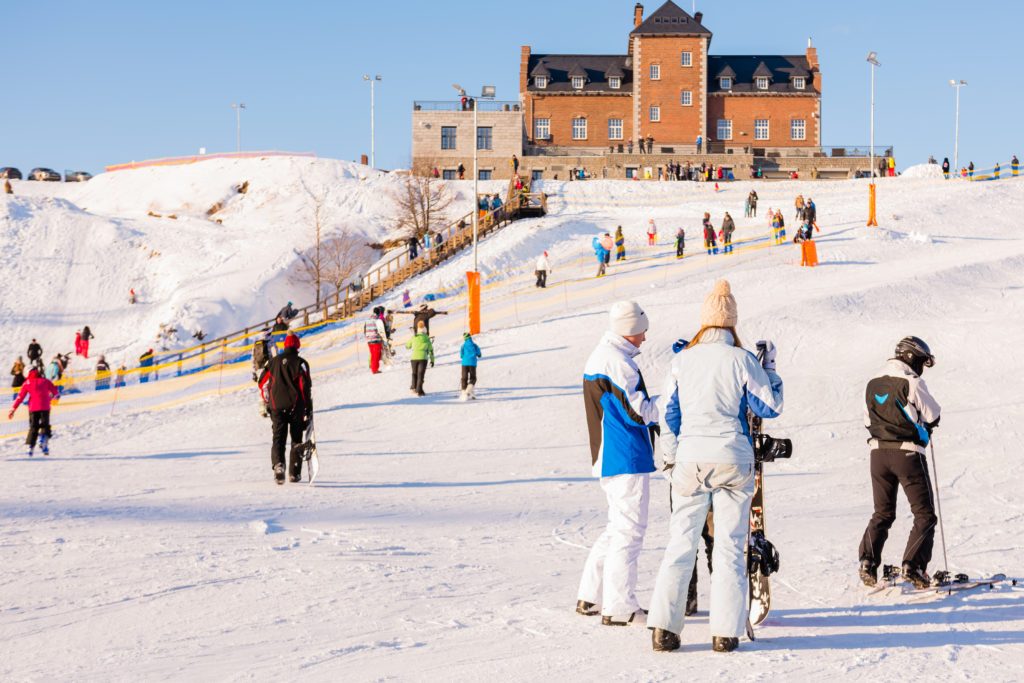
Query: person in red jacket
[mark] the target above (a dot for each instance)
(286, 388)
(78, 343)
(39, 391)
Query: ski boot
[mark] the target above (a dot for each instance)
(637, 617)
(31, 451)
(587, 609)
(279, 473)
(868, 573)
(471, 391)
(664, 641)
(723, 644)
(916, 577)
(464, 395)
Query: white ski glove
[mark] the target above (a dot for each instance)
(766, 350)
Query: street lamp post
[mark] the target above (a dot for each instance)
(956, 135)
(238, 124)
(872, 220)
(487, 92)
(373, 136)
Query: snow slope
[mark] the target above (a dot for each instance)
(444, 540)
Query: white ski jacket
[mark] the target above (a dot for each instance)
(709, 389)
(542, 263)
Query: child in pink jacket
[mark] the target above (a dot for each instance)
(40, 391)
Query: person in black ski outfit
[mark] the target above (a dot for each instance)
(414, 248)
(35, 353)
(424, 314)
(945, 168)
(287, 387)
(900, 415)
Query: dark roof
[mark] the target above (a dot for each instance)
(597, 69)
(670, 20)
(779, 68)
(726, 72)
(540, 70)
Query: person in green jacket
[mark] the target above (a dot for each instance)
(422, 351)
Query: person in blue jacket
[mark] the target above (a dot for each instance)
(470, 354)
(602, 254)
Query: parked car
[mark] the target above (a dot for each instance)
(76, 176)
(44, 174)
(10, 172)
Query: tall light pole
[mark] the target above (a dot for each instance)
(238, 124)
(373, 135)
(956, 136)
(487, 92)
(872, 220)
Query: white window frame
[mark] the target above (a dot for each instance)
(686, 58)
(799, 82)
(762, 132)
(538, 128)
(686, 98)
(579, 124)
(798, 129)
(541, 82)
(654, 113)
(616, 132)
(655, 72)
(725, 83)
(724, 125)
(614, 82)
(481, 171)
(761, 82)
(578, 82)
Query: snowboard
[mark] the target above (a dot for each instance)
(307, 451)
(759, 588)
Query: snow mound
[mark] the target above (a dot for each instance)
(922, 171)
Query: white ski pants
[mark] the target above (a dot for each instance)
(609, 576)
(729, 488)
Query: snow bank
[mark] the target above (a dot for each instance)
(923, 171)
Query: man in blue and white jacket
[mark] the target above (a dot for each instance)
(622, 421)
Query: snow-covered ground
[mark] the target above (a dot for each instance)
(444, 540)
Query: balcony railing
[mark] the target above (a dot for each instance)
(457, 105)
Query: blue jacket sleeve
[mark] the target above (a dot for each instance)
(764, 390)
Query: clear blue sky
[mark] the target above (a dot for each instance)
(86, 84)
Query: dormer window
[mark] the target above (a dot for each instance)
(614, 83)
(578, 82)
(725, 83)
(799, 82)
(541, 82)
(761, 82)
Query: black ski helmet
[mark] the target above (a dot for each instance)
(915, 352)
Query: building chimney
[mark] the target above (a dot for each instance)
(697, 16)
(638, 15)
(812, 56)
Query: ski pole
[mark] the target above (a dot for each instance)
(938, 510)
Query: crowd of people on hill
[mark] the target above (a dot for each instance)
(968, 170)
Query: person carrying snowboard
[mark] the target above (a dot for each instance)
(709, 235)
(376, 336)
(40, 391)
(709, 459)
(620, 244)
(541, 270)
(287, 387)
(422, 352)
(680, 242)
(470, 354)
(622, 422)
(900, 415)
(260, 359)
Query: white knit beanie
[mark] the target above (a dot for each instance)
(627, 319)
(719, 308)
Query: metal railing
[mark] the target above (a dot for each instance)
(457, 105)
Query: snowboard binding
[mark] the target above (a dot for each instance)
(770, 449)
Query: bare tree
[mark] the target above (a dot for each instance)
(343, 257)
(311, 262)
(422, 205)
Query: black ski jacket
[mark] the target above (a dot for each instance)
(899, 413)
(285, 383)
(35, 352)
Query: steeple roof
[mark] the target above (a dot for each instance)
(671, 20)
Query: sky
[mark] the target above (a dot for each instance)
(87, 84)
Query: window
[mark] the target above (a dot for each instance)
(655, 72)
(687, 59)
(579, 129)
(686, 99)
(725, 83)
(485, 137)
(578, 82)
(761, 129)
(655, 113)
(449, 174)
(614, 129)
(448, 137)
(614, 83)
(762, 83)
(541, 129)
(798, 129)
(541, 82)
(725, 129)
(537, 174)
(484, 173)
(631, 172)
(799, 83)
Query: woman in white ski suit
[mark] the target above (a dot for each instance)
(709, 458)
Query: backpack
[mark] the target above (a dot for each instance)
(260, 354)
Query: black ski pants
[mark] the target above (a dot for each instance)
(285, 423)
(891, 469)
(38, 423)
(680, 247)
(419, 373)
(542, 278)
(468, 376)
